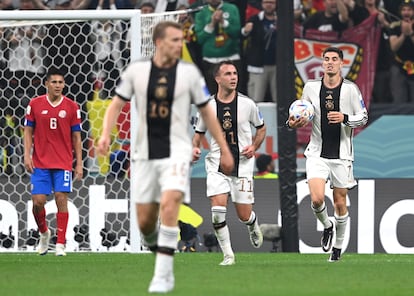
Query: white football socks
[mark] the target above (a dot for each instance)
(218, 214)
(321, 214)
(341, 223)
(167, 238)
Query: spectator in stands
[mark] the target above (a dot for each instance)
(6, 5)
(260, 52)
(242, 7)
(402, 45)
(357, 12)
(147, 7)
(191, 49)
(161, 5)
(217, 27)
(392, 6)
(310, 7)
(299, 10)
(93, 4)
(169, 5)
(265, 167)
(381, 92)
(334, 18)
(107, 49)
(85, 4)
(253, 8)
(53, 4)
(317, 5)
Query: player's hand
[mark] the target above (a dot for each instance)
(78, 172)
(297, 123)
(28, 164)
(103, 145)
(226, 161)
(335, 117)
(248, 151)
(196, 154)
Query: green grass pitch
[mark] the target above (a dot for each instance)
(257, 274)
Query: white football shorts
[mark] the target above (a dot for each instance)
(239, 188)
(338, 171)
(152, 177)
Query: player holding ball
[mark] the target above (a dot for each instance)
(338, 109)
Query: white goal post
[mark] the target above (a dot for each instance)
(102, 197)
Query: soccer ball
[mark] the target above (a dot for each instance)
(301, 108)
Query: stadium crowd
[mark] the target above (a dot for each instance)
(244, 32)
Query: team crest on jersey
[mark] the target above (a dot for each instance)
(329, 103)
(161, 88)
(227, 121)
(62, 114)
(161, 92)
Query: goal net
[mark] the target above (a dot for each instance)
(92, 47)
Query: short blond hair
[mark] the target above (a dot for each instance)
(161, 27)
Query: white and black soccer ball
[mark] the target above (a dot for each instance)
(302, 108)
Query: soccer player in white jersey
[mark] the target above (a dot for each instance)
(163, 88)
(237, 114)
(339, 108)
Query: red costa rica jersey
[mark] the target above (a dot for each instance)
(53, 125)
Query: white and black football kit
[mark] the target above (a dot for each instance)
(333, 143)
(236, 119)
(163, 145)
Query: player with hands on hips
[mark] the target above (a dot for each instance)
(338, 109)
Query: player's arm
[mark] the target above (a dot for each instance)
(77, 147)
(256, 120)
(210, 119)
(359, 117)
(109, 121)
(197, 139)
(28, 142)
(258, 139)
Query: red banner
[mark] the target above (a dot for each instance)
(360, 46)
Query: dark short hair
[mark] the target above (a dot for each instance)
(216, 68)
(262, 161)
(54, 71)
(334, 49)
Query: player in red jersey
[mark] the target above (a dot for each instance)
(51, 135)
